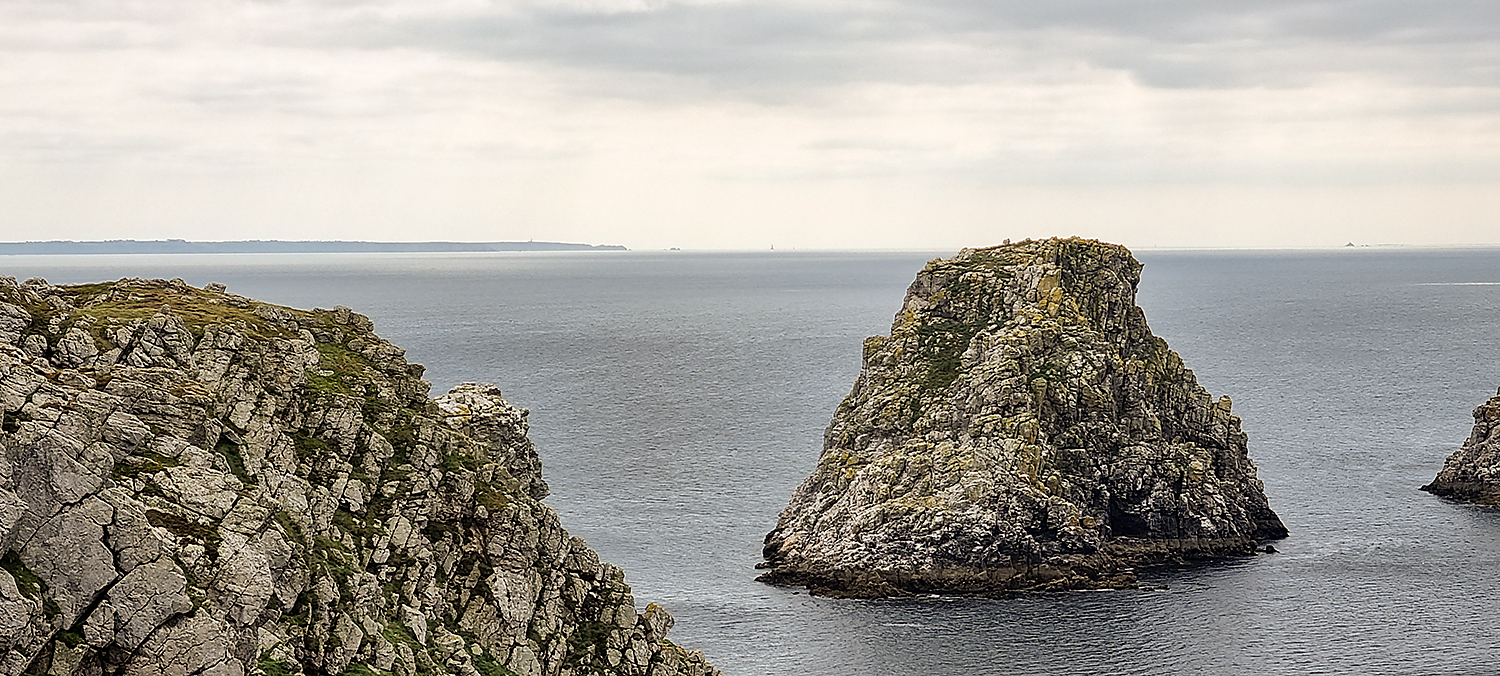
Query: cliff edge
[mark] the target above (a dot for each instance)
(1472, 472)
(1019, 429)
(193, 482)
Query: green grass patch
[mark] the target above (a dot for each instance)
(359, 669)
(332, 557)
(942, 345)
(29, 584)
(344, 367)
(309, 448)
(398, 634)
(403, 433)
(452, 462)
(186, 529)
(487, 665)
(493, 499)
(82, 293)
(328, 384)
(341, 360)
(236, 461)
(587, 644)
(290, 527)
(196, 308)
(353, 525)
(273, 667)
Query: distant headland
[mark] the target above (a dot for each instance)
(172, 246)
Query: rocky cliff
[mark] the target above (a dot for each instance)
(1020, 428)
(1473, 472)
(193, 482)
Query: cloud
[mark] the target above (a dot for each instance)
(658, 112)
(767, 48)
(1170, 43)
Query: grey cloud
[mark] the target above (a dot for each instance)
(1102, 168)
(1188, 21)
(44, 146)
(868, 144)
(1166, 43)
(743, 43)
(792, 47)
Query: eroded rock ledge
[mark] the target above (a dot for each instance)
(1020, 429)
(193, 482)
(1472, 473)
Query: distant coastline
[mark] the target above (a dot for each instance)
(173, 246)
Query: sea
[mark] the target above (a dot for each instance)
(677, 399)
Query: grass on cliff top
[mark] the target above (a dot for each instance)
(1000, 257)
(1065, 252)
(195, 307)
(992, 258)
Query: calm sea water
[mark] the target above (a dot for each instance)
(678, 398)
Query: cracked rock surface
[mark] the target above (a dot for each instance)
(193, 482)
(1472, 473)
(1020, 429)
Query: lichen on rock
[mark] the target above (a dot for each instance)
(194, 482)
(1020, 429)
(1472, 473)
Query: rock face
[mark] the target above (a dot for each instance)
(1472, 473)
(1019, 429)
(192, 482)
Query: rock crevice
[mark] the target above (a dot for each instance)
(1020, 428)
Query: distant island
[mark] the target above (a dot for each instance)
(172, 246)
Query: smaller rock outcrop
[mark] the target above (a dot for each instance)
(1020, 429)
(1472, 473)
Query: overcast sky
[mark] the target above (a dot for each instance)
(926, 124)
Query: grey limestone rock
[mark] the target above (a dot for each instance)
(1472, 472)
(1020, 428)
(193, 482)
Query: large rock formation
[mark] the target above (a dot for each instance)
(1473, 472)
(192, 482)
(1019, 429)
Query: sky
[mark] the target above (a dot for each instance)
(747, 124)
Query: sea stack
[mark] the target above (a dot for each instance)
(194, 482)
(1020, 429)
(1472, 473)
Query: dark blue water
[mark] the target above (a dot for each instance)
(678, 398)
